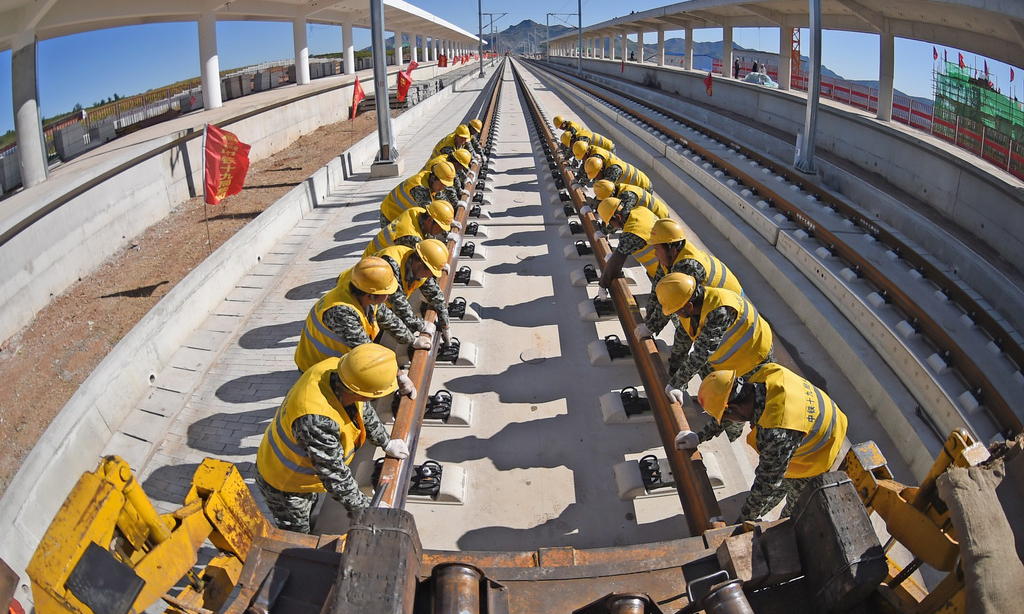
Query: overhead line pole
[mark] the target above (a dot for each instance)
(579, 36)
(480, 33)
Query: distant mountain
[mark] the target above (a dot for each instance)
(527, 36)
(874, 84)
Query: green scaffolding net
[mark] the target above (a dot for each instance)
(961, 94)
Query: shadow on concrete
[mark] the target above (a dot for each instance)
(358, 231)
(521, 186)
(531, 266)
(171, 483)
(140, 292)
(368, 216)
(272, 336)
(345, 250)
(531, 313)
(222, 434)
(523, 211)
(258, 387)
(312, 290)
(245, 215)
(525, 382)
(525, 238)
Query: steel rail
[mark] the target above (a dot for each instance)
(700, 507)
(409, 414)
(969, 370)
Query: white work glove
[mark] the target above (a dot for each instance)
(396, 448)
(456, 224)
(428, 328)
(447, 268)
(685, 440)
(446, 335)
(598, 235)
(472, 175)
(465, 194)
(452, 236)
(674, 394)
(575, 186)
(460, 205)
(405, 386)
(585, 209)
(642, 331)
(602, 294)
(421, 343)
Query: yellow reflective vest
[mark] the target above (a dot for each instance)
(404, 225)
(448, 141)
(317, 342)
(630, 174)
(595, 139)
(718, 275)
(794, 403)
(282, 462)
(745, 344)
(400, 199)
(401, 255)
(645, 199)
(640, 222)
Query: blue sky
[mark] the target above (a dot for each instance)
(86, 68)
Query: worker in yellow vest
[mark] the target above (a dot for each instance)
(414, 225)
(417, 268)
(630, 195)
(602, 164)
(592, 138)
(418, 191)
(460, 159)
(353, 313)
(475, 129)
(636, 224)
(796, 429)
(456, 140)
(723, 330)
(568, 125)
(323, 420)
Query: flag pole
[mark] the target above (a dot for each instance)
(206, 211)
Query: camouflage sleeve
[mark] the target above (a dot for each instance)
(447, 149)
(656, 319)
(710, 337)
(375, 431)
(629, 198)
(714, 428)
(344, 322)
(408, 241)
(451, 194)
(776, 448)
(400, 303)
(432, 293)
(630, 243)
(320, 437)
(391, 323)
(475, 147)
(421, 195)
(613, 173)
(692, 268)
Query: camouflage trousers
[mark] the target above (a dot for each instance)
(790, 488)
(291, 510)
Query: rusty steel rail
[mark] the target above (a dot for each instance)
(973, 374)
(409, 415)
(692, 483)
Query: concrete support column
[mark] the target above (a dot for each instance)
(414, 51)
(348, 47)
(399, 54)
(209, 61)
(785, 57)
(625, 41)
(688, 49)
(661, 45)
(27, 126)
(727, 52)
(640, 46)
(425, 49)
(435, 45)
(886, 60)
(301, 51)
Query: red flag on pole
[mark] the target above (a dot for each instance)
(623, 69)
(227, 161)
(404, 81)
(412, 65)
(357, 96)
(707, 83)
(986, 68)
(1011, 75)
(962, 63)
(442, 61)
(935, 53)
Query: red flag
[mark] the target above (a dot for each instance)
(962, 63)
(227, 161)
(442, 61)
(935, 53)
(455, 60)
(986, 68)
(707, 83)
(623, 69)
(357, 96)
(1011, 75)
(412, 65)
(404, 81)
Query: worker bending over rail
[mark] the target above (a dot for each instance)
(419, 268)
(636, 224)
(416, 224)
(418, 191)
(630, 195)
(602, 164)
(460, 159)
(460, 139)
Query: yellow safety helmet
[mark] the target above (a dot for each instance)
(475, 125)
(674, 291)
(566, 138)
(434, 254)
(579, 149)
(442, 212)
(558, 121)
(462, 131)
(445, 172)
(607, 209)
(603, 189)
(463, 157)
(369, 370)
(715, 391)
(593, 166)
(666, 230)
(374, 275)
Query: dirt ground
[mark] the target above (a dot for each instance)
(43, 365)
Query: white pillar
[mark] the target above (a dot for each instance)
(625, 39)
(27, 126)
(727, 52)
(348, 46)
(785, 57)
(414, 51)
(688, 50)
(640, 46)
(209, 61)
(301, 51)
(886, 59)
(661, 45)
(425, 49)
(399, 56)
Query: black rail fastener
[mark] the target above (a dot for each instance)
(475, 210)
(583, 248)
(560, 183)
(575, 227)
(568, 209)
(564, 197)
(650, 471)
(426, 479)
(604, 307)
(591, 274)
(457, 308)
(468, 250)
(616, 348)
(633, 403)
(449, 352)
(472, 228)
(439, 406)
(462, 276)
(478, 196)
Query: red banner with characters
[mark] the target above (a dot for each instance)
(404, 81)
(442, 61)
(227, 162)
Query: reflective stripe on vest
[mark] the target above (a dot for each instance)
(645, 199)
(718, 275)
(407, 224)
(630, 174)
(640, 222)
(401, 254)
(400, 199)
(318, 342)
(746, 343)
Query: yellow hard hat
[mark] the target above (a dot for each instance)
(674, 291)
(579, 149)
(603, 189)
(374, 275)
(607, 209)
(593, 166)
(715, 391)
(369, 370)
(566, 138)
(463, 157)
(434, 254)
(445, 172)
(558, 121)
(462, 131)
(475, 125)
(666, 230)
(442, 212)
